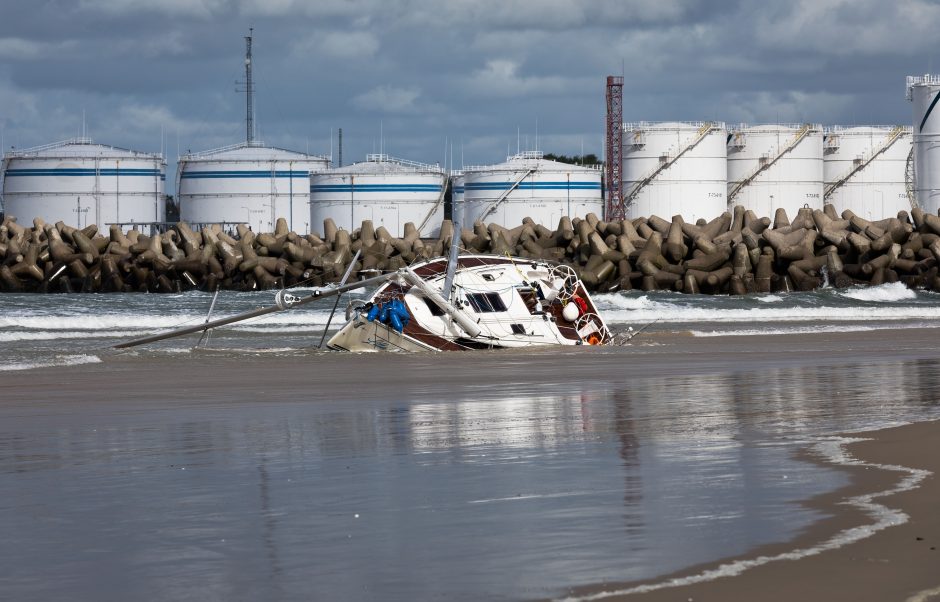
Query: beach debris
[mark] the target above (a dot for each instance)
(735, 253)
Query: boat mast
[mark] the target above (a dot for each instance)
(452, 258)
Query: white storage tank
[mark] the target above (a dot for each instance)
(675, 169)
(527, 185)
(864, 169)
(773, 166)
(247, 183)
(924, 92)
(391, 192)
(82, 183)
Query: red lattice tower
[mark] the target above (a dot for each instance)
(615, 208)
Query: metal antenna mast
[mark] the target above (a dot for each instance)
(615, 208)
(249, 89)
(340, 147)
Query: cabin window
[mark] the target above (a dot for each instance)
(517, 328)
(435, 309)
(484, 303)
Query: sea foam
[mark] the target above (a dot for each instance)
(883, 293)
(59, 360)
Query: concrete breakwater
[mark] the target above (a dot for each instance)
(735, 253)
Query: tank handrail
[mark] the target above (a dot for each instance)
(843, 129)
(223, 149)
(529, 154)
(629, 126)
(75, 141)
(383, 158)
(252, 144)
(810, 127)
(920, 80)
(51, 145)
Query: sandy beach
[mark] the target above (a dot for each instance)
(141, 390)
(898, 562)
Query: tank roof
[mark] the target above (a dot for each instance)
(378, 163)
(80, 147)
(254, 151)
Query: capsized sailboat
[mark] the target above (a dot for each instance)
(464, 302)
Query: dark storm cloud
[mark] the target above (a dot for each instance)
(472, 72)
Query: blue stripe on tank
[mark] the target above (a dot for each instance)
(534, 186)
(375, 188)
(265, 173)
(80, 172)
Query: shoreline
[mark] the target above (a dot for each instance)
(893, 557)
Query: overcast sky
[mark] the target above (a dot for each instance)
(472, 73)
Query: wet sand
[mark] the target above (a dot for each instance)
(894, 564)
(899, 562)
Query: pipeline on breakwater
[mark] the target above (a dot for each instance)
(735, 253)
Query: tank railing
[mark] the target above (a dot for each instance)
(477, 168)
(252, 144)
(222, 149)
(53, 145)
(810, 127)
(383, 158)
(526, 155)
(523, 156)
(669, 125)
(842, 129)
(920, 80)
(35, 150)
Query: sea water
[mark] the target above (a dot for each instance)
(51, 330)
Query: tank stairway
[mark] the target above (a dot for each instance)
(909, 178)
(440, 201)
(505, 194)
(738, 186)
(635, 191)
(891, 139)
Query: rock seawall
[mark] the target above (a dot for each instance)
(735, 253)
